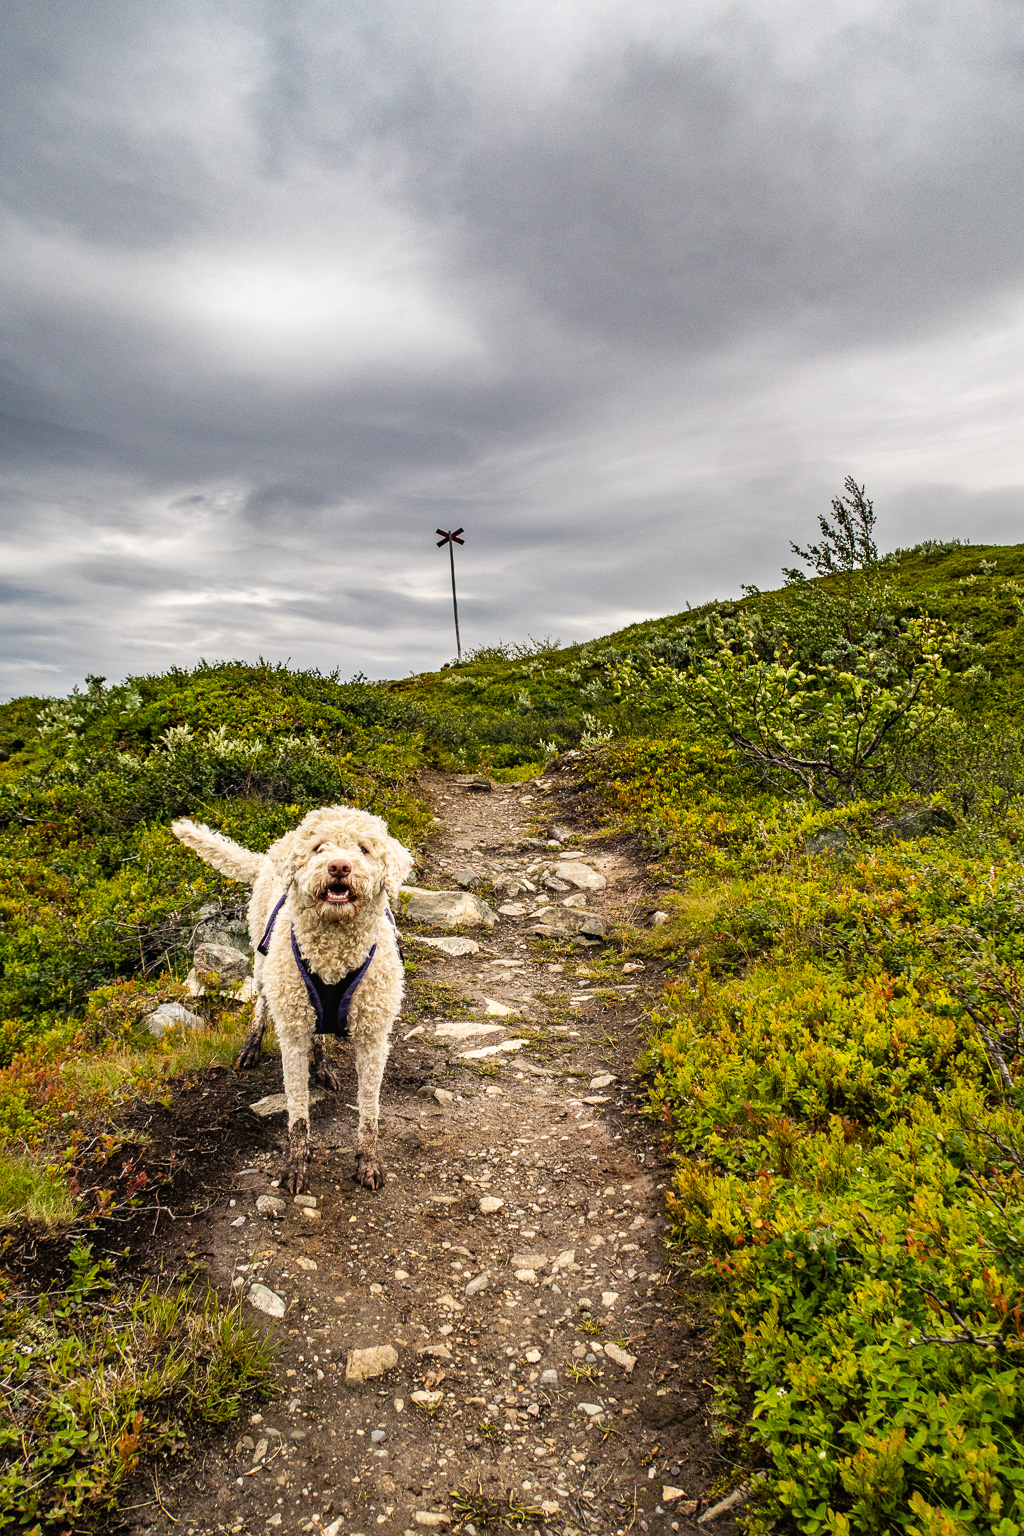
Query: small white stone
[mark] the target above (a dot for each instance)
(480, 1283)
(310, 1200)
(464, 1031)
(401, 1274)
(609, 1298)
(493, 1050)
(239, 1221)
(497, 1010)
(533, 1356)
(308, 1214)
(604, 1081)
(527, 1277)
(305, 1263)
(426, 1399)
(490, 1204)
(620, 1356)
(266, 1300)
(270, 1205)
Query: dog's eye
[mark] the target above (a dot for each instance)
(319, 848)
(363, 848)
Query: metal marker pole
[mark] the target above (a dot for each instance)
(451, 538)
(455, 601)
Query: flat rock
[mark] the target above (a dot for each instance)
(477, 783)
(533, 1261)
(266, 1300)
(167, 1015)
(497, 1010)
(222, 961)
(455, 946)
(597, 1098)
(513, 909)
(464, 1031)
(447, 909)
(492, 1050)
(564, 922)
(277, 1103)
(309, 1200)
(435, 1351)
(270, 1205)
(490, 1204)
(579, 875)
(481, 1281)
(467, 877)
(364, 1364)
(604, 1081)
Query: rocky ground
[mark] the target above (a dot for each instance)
(495, 1339)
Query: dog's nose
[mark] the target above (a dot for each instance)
(338, 869)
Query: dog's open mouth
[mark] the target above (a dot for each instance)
(338, 894)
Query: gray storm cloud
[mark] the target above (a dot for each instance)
(624, 289)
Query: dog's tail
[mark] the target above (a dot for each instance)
(230, 858)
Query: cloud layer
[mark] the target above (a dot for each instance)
(626, 290)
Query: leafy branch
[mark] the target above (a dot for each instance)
(825, 724)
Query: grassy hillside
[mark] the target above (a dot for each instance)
(835, 1069)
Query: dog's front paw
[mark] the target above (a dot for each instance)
(249, 1056)
(293, 1174)
(369, 1172)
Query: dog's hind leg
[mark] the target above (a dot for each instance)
(321, 1071)
(295, 1061)
(249, 1055)
(371, 1059)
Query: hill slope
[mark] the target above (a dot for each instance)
(834, 1070)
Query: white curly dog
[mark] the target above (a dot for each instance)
(327, 958)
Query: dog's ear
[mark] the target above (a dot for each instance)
(398, 863)
(287, 854)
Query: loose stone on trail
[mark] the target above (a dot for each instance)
(266, 1300)
(465, 1031)
(621, 1357)
(277, 1103)
(446, 909)
(364, 1364)
(493, 1050)
(454, 946)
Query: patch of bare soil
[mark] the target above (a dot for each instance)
(538, 1364)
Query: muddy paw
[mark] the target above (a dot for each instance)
(324, 1076)
(293, 1175)
(249, 1056)
(369, 1172)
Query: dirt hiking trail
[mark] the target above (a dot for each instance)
(527, 1362)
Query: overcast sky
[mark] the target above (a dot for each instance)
(625, 287)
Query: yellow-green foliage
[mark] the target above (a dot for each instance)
(849, 1169)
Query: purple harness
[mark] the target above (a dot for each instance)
(330, 1000)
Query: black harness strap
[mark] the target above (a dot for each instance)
(331, 1001)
